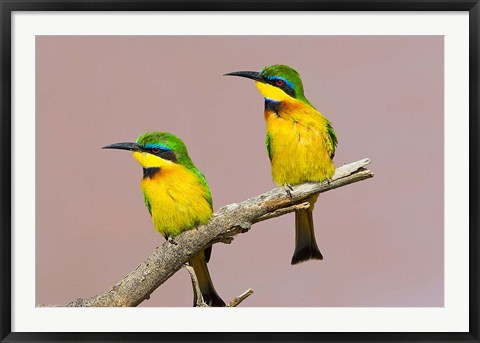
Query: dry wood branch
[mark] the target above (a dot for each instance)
(229, 221)
(238, 300)
(196, 288)
(282, 211)
(201, 302)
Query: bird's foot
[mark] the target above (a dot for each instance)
(172, 240)
(288, 189)
(329, 180)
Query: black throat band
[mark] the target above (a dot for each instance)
(150, 172)
(272, 106)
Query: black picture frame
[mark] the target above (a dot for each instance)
(9, 6)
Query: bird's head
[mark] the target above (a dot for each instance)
(156, 150)
(277, 82)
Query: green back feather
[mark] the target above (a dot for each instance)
(333, 138)
(147, 203)
(268, 145)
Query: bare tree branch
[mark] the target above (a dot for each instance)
(198, 293)
(196, 288)
(238, 300)
(229, 221)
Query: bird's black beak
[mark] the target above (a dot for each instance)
(248, 74)
(123, 146)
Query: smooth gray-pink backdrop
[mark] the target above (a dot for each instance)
(382, 238)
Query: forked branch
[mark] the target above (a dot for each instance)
(229, 221)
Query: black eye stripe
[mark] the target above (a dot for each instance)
(163, 153)
(285, 87)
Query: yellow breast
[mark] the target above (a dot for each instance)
(177, 200)
(299, 145)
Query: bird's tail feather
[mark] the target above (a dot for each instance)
(305, 245)
(209, 294)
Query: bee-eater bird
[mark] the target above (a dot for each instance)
(300, 143)
(176, 195)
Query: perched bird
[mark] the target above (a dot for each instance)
(300, 143)
(176, 195)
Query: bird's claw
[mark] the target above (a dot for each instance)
(288, 189)
(172, 240)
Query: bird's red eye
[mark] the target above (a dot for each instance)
(279, 82)
(156, 150)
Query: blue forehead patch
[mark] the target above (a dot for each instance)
(161, 147)
(273, 78)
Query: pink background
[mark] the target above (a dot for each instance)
(382, 239)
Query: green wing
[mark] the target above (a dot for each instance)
(147, 203)
(332, 137)
(208, 196)
(267, 144)
(201, 178)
